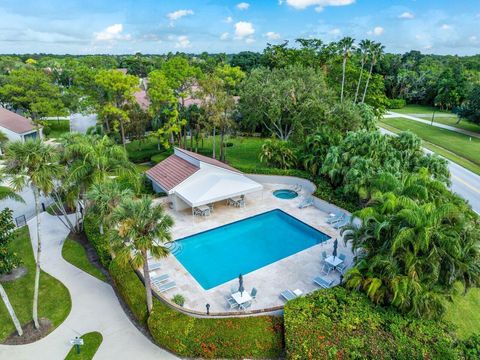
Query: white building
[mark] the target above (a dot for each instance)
(190, 180)
(17, 127)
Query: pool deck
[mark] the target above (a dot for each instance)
(294, 272)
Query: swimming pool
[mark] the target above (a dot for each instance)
(216, 256)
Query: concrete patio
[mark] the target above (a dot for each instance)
(294, 272)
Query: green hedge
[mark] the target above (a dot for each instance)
(340, 324)
(131, 289)
(396, 103)
(99, 242)
(252, 337)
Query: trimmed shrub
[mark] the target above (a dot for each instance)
(233, 338)
(396, 103)
(338, 323)
(131, 289)
(253, 337)
(99, 242)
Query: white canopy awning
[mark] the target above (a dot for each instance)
(210, 184)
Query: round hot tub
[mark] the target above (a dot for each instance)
(285, 194)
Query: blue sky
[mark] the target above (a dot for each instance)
(159, 26)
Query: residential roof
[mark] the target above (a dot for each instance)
(207, 160)
(171, 172)
(14, 122)
(142, 99)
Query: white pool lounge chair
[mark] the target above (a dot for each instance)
(159, 278)
(246, 305)
(336, 218)
(165, 287)
(341, 224)
(306, 203)
(154, 266)
(232, 304)
(290, 295)
(325, 284)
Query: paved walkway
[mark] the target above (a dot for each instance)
(95, 307)
(392, 114)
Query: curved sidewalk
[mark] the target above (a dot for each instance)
(95, 307)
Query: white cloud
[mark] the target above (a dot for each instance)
(183, 42)
(271, 35)
(228, 19)
(243, 29)
(175, 15)
(335, 31)
(320, 4)
(446, 27)
(225, 36)
(377, 31)
(250, 40)
(473, 38)
(243, 6)
(406, 15)
(113, 32)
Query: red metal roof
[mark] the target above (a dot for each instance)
(14, 122)
(208, 160)
(171, 172)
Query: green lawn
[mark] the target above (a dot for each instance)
(91, 343)
(140, 151)
(75, 254)
(456, 143)
(244, 152)
(58, 128)
(464, 313)
(425, 112)
(54, 300)
(141, 168)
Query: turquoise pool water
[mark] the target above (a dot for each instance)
(285, 194)
(216, 256)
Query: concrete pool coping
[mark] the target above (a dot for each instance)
(216, 294)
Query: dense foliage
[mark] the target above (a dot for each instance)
(415, 241)
(342, 324)
(233, 338)
(9, 260)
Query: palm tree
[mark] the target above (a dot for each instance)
(141, 229)
(35, 164)
(364, 47)
(90, 160)
(105, 197)
(346, 45)
(375, 52)
(3, 140)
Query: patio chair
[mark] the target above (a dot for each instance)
(324, 255)
(233, 289)
(288, 295)
(324, 284)
(166, 287)
(342, 257)
(342, 268)
(336, 218)
(159, 278)
(246, 305)
(306, 203)
(327, 268)
(342, 223)
(253, 294)
(232, 304)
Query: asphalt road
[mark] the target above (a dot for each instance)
(464, 182)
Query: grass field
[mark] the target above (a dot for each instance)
(458, 144)
(91, 343)
(244, 152)
(75, 254)
(54, 301)
(425, 113)
(464, 314)
(58, 128)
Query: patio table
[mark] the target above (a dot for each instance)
(334, 261)
(204, 209)
(241, 298)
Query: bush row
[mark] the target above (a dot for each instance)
(99, 242)
(342, 324)
(396, 103)
(252, 337)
